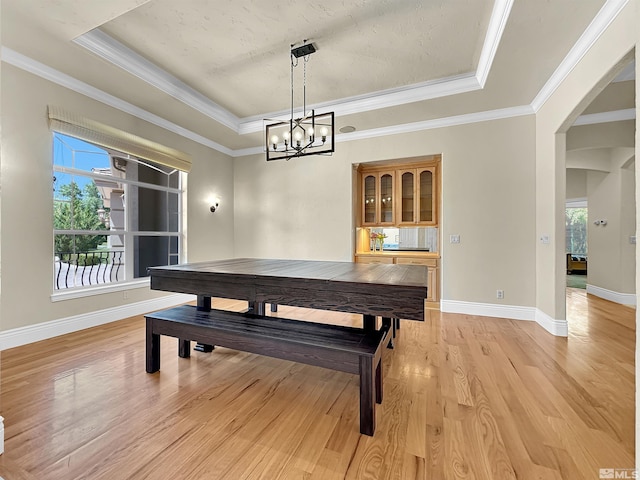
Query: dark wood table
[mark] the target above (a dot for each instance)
(392, 292)
(388, 291)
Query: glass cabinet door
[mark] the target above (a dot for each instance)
(426, 187)
(386, 198)
(407, 197)
(369, 201)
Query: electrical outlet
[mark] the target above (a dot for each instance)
(500, 294)
(125, 294)
(454, 238)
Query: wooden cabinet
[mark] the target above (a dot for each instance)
(432, 263)
(374, 259)
(405, 195)
(378, 198)
(416, 198)
(433, 295)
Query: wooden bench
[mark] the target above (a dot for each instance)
(345, 349)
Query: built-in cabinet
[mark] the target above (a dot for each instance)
(416, 198)
(400, 194)
(403, 195)
(378, 198)
(433, 294)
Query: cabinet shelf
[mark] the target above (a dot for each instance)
(402, 194)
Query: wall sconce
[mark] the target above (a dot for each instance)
(214, 205)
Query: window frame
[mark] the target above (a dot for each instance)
(127, 233)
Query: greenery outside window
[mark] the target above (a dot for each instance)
(115, 214)
(576, 230)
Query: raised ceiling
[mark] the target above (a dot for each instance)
(216, 68)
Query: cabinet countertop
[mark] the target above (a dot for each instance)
(398, 253)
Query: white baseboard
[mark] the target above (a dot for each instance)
(512, 312)
(623, 298)
(488, 310)
(42, 331)
(559, 328)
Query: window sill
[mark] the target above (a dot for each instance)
(98, 290)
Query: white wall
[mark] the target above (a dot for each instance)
(304, 208)
(576, 183)
(611, 255)
(592, 73)
(26, 172)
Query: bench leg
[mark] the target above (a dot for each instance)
(367, 396)
(202, 347)
(391, 323)
(379, 381)
(153, 348)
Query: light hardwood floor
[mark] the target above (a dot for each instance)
(465, 398)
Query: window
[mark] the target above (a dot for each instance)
(576, 230)
(115, 214)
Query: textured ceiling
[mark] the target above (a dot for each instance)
(233, 57)
(363, 46)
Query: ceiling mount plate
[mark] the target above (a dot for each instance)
(303, 50)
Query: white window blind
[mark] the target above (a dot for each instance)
(69, 123)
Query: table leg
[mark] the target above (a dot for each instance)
(204, 305)
(369, 323)
(257, 308)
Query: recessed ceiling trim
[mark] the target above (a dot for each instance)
(111, 50)
(606, 117)
(497, 23)
(43, 71)
(122, 56)
(598, 25)
(375, 100)
(438, 123)
(417, 126)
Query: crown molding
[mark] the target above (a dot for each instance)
(41, 70)
(375, 100)
(497, 23)
(122, 56)
(598, 25)
(605, 117)
(417, 126)
(438, 123)
(25, 63)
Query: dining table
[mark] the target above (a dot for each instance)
(388, 291)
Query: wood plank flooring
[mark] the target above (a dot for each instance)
(465, 398)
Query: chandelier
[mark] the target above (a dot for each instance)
(311, 133)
